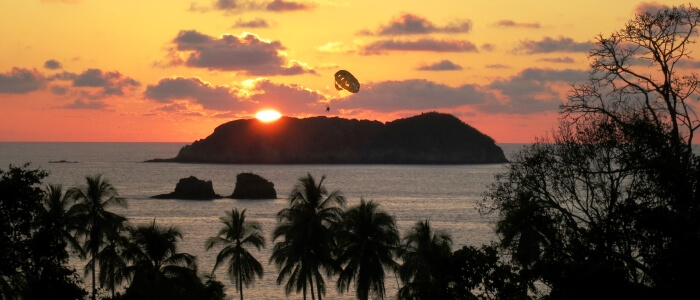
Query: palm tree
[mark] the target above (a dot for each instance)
(235, 236)
(94, 223)
(425, 255)
(57, 211)
(526, 229)
(306, 239)
(158, 271)
(368, 239)
(113, 263)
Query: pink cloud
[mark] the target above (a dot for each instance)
(21, 81)
(408, 23)
(248, 54)
(511, 23)
(423, 44)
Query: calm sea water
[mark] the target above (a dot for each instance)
(447, 195)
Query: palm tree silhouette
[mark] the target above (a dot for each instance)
(158, 271)
(425, 255)
(93, 222)
(306, 240)
(57, 210)
(113, 263)
(235, 236)
(368, 240)
(526, 229)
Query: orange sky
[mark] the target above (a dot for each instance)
(169, 70)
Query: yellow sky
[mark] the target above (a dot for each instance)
(167, 70)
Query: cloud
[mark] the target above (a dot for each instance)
(63, 76)
(688, 64)
(292, 99)
(529, 92)
(533, 90)
(256, 23)
(338, 47)
(58, 90)
(549, 45)
(497, 66)
(650, 7)
(443, 65)
(414, 94)
(52, 64)
(83, 104)
(20, 81)
(423, 44)
(413, 24)
(225, 4)
(511, 23)
(488, 47)
(248, 96)
(240, 6)
(168, 90)
(281, 5)
(111, 83)
(62, 1)
(564, 60)
(173, 107)
(247, 53)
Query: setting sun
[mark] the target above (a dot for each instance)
(268, 115)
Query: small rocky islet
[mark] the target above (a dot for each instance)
(248, 186)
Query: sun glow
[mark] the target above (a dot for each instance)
(268, 115)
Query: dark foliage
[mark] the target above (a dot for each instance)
(609, 206)
(158, 271)
(480, 273)
(304, 238)
(367, 241)
(33, 257)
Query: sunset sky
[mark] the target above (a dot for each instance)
(173, 70)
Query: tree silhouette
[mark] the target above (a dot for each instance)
(611, 200)
(57, 207)
(157, 270)
(425, 255)
(306, 240)
(367, 241)
(93, 222)
(32, 246)
(235, 236)
(112, 263)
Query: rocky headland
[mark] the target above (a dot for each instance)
(428, 138)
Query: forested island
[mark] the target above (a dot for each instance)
(428, 138)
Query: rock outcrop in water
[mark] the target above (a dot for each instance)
(253, 186)
(429, 138)
(191, 188)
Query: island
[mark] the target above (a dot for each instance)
(191, 188)
(428, 138)
(253, 186)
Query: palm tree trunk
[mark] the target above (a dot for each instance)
(94, 290)
(311, 283)
(95, 245)
(240, 280)
(94, 267)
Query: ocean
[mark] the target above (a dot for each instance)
(446, 195)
